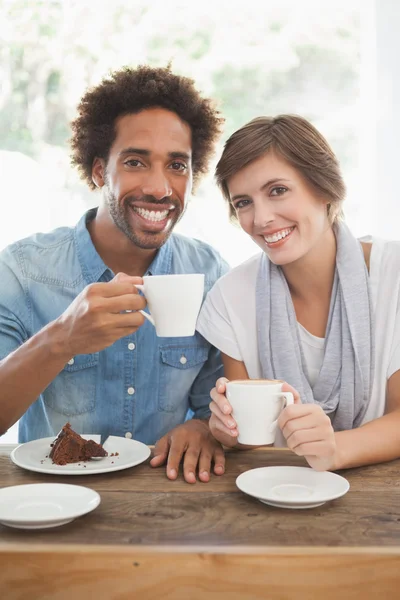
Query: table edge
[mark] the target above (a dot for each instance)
(23, 548)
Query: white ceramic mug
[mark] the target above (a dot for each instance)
(174, 302)
(256, 406)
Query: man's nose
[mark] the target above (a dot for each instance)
(156, 184)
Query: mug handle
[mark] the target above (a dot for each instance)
(140, 287)
(289, 399)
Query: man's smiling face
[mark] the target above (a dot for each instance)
(148, 176)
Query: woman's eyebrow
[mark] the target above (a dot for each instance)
(266, 184)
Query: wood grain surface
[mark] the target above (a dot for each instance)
(163, 539)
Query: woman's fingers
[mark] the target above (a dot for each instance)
(227, 421)
(221, 401)
(225, 436)
(286, 387)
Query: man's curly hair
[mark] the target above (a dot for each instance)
(129, 91)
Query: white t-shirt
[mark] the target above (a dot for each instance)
(313, 352)
(228, 319)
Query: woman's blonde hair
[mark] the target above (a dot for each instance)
(296, 141)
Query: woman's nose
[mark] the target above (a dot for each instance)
(262, 217)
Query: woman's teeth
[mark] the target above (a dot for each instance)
(152, 215)
(270, 239)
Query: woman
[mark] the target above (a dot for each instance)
(317, 308)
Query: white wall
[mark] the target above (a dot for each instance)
(386, 200)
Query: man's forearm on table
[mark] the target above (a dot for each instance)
(27, 371)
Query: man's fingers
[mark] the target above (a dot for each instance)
(111, 288)
(127, 321)
(219, 461)
(176, 451)
(190, 463)
(119, 286)
(123, 278)
(160, 452)
(205, 460)
(194, 443)
(118, 304)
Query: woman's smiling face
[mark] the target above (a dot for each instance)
(277, 208)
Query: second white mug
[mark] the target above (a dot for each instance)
(256, 406)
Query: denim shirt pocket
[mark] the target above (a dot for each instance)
(73, 391)
(179, 367)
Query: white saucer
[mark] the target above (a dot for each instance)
(44, 505)
(292, 487)
(34, 456)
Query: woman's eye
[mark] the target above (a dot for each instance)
(278, 190)
(241, 204)
(178, 166)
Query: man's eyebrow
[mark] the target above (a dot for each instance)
(131, 150)
(143, 152)
(184, 155)
(266, 184)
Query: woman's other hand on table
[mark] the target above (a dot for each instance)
(308, 432)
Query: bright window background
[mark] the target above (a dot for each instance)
(310, 57)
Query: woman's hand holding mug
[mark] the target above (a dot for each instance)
(245, 411)
(306, 428)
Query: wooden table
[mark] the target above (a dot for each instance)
(160, 539)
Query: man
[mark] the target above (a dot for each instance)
(73, 345)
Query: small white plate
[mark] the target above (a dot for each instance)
(292, 487)
(44, 505)
(34, 456)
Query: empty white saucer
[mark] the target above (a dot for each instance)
(292, 487)
(44, 505)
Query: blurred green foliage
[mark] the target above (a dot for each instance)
(283, 56)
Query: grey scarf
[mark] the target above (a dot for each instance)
(344, 383)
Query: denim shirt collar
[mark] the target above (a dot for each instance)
(92, 265)
(161, 264)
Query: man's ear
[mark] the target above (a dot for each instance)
(98, 172)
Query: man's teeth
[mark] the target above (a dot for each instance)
(152, 215)
(270, 239)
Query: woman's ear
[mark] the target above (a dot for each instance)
(98, 170)
(331, 212)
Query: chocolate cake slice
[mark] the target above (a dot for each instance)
(70, 447)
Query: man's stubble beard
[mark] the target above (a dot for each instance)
(145, 241)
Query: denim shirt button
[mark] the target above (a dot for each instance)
(131, 391)
(131, 346)
(128, 435)
(71, 361)
(183, 360)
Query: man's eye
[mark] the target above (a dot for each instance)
(133, 162)
(178, 166)
(278, 191)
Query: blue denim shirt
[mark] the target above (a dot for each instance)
(138, 386)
